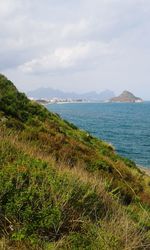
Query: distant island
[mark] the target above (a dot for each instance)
(49, 95)
(126, 96)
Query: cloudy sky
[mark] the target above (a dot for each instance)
(76, 45)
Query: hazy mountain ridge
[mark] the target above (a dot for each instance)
(48, 93)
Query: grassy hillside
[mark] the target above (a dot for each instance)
(61, 188)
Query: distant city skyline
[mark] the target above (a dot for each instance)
(76, 46)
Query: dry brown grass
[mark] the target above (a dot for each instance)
(6, 244)
(120, 226)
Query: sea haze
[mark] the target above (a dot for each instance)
(125, 125)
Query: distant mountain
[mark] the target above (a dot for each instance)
(49, 93)
(126, 96)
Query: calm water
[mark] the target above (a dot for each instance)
(125, 125)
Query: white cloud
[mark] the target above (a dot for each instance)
(79, 56)
(75, 29)
(61, 58)
(104, 36)
(8, 7)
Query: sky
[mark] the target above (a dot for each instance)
(76, 45)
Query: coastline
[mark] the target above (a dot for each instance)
(144, 169)
(103, 120)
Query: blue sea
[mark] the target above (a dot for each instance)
(125, 125)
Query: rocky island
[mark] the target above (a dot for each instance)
(126, 96)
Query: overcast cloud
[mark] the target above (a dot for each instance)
(77, 45)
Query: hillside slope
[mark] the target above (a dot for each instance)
(61, 188)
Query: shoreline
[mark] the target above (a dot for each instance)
(144, 169)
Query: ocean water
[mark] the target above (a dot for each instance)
(125, 125)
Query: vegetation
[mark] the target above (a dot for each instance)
(61, 188)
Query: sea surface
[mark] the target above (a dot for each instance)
(125, 125)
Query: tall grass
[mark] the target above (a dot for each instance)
(46, 205)
(61, 188)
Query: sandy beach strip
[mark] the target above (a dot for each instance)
(146, 170)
